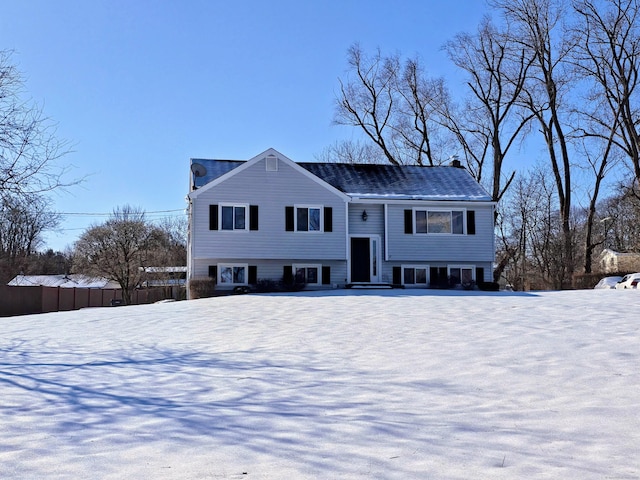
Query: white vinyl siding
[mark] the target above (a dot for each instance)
(443, 248)
(272, 192)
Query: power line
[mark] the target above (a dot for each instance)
(97, 214)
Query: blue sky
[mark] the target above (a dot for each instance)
(139, 87)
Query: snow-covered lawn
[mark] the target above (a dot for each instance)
(346, 384)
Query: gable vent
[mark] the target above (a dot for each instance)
(271, 163)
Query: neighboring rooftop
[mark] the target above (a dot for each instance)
(63, 281)
(408, 182)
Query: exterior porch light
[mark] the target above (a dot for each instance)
(364, 216)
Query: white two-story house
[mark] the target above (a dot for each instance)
(332, 225)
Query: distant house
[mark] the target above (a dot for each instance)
(62, 281)
(164, 276)
(329, 225)
(611, 261)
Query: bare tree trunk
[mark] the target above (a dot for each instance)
(535, 22)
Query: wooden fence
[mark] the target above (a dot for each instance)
(37, 299)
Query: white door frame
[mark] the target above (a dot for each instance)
(375, 257)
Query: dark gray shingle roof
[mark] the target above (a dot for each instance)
(213, 169)
(409, 182)
(405, 182)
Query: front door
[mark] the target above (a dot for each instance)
(360, 259)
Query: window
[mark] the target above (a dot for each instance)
(461, 275)
(438, 221)
(308, 274)
(303, 218)
(232, 274)
(308, 219)
(233, 217)
(414, 275)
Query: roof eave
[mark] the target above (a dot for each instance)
(421, 198)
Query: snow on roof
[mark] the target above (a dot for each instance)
(411, 182)
(407, 182)
(180, 269)
(63, 281)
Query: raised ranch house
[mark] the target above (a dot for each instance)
(331, 225)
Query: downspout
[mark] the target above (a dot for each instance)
(189, 246)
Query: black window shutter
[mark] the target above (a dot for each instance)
(433, 276)
(397, 275)
(326, 275)
(288, 219)
(253, 274)
(471, 222)
(213, 271)
(213, 217)
(287, 275)
(328, 219)
(408, 221)
(253, 218)
(479, 274)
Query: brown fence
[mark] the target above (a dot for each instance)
(35, 299)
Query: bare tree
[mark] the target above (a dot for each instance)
(492, 120)
(118, 249)
(537, 28)
(23, 220)
(531, 236)
(171, 236)
(29, 147)
(600, 157)
(393, 105)
(609, 55)
(351, 151)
